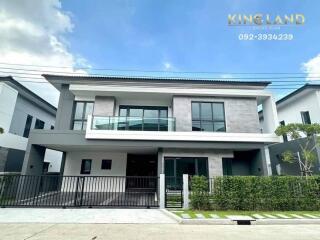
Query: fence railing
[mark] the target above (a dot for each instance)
(77, 191)
(133, 123)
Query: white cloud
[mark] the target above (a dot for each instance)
(226, 76)
(312, 68)
(32, 33)
(167, 66)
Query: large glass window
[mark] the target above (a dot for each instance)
(143, 118)
(81, 112)
(176, 167)
(208, 116)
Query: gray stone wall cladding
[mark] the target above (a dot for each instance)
(241, 114)
(104, 106)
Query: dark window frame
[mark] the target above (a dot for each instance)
(174, 159)
(227, 166)
(106, 164)
(143, 108)
(305, 119)
(27, 126)
(212, 121)
(37, 122)
(82, 169)
(83, 119)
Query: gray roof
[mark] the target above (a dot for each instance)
(153, 78)
(28, 93)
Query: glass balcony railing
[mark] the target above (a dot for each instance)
(133, 123)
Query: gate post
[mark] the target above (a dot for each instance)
(162, 191)
(185, 191)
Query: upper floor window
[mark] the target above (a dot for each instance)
(81, 112)
(27, 126)
(39, 124)
(208, 116)
(305, 117)
(145, 118)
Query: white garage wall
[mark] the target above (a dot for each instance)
(73, 163)
(95, 184)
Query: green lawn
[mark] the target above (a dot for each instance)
(223, 214)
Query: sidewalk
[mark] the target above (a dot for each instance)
(41, 215)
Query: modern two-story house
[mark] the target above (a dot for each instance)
(133, 126)
(21, 110)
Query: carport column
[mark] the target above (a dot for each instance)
(185, 191)
(162, 191)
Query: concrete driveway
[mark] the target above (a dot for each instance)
(42, 215)
(156, 232)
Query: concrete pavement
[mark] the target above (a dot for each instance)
(156, 232)
(47, 215)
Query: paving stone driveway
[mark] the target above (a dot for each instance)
(41, 215)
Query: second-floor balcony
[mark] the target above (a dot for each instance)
(133, 123)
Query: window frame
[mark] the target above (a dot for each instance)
(39, 121)
(83, 119)
(82, 168)
(157, 108)
(26, 131)
(196, 164)
(108, 161)
(212, 121)
(303, 117)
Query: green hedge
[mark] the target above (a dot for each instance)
(264, 193)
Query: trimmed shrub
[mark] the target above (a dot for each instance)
(200, 198)
(264, 193)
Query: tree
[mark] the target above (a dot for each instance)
(307, 139)
(1, 130)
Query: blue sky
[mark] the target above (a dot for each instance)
(182, 35)
(166, 35)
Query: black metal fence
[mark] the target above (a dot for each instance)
(78, 191)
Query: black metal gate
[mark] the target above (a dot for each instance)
(173, 192)
(78, 191)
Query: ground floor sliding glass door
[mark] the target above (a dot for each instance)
(177, 166)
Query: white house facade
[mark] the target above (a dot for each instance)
(128, 126)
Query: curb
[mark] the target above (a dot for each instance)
(172, 215)
(285, 221)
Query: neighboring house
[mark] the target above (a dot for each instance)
(300, 106)
(131, 126)
(20, 111)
